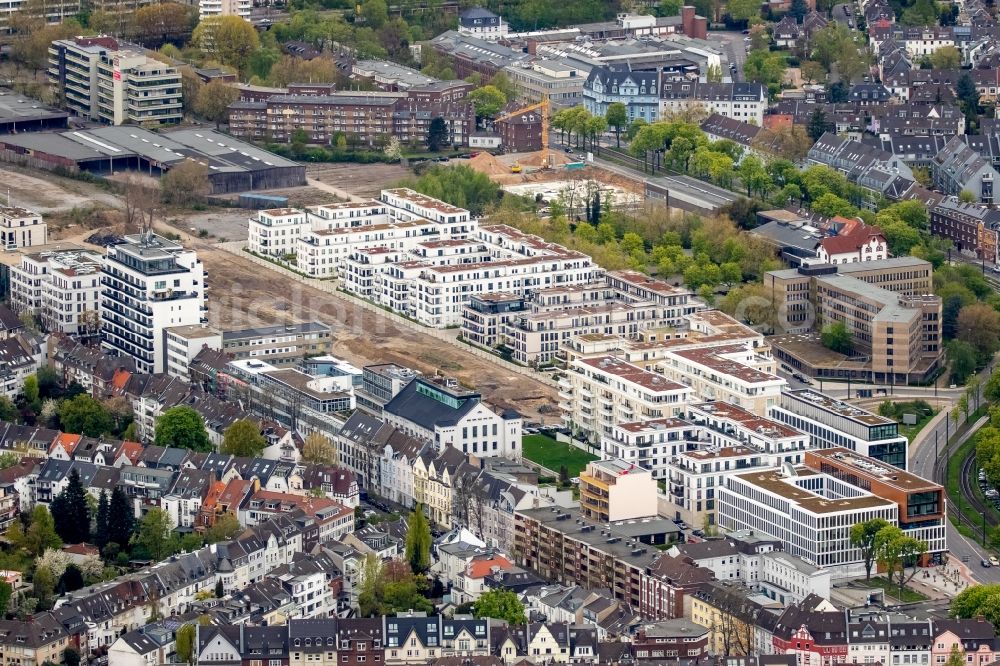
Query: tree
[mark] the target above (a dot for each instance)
(243, 438)
(71, 580)
(437, 134)
(154, 535)
(946, 57)
(44, 584)
(404, 596)
(185, 184)
(8, 412)
(229, 40)
(71, 512)
(669, 7)
(798, 10)
(185, 643)
(418, 541)
(213, 101)
(460, 186)
(220, 591)
(765, 67)
(836, 337)
(863, 538)
(318, 448)
(965, 196)
(375, 13)
(40, 535)
(5, 594)
(487, 101)
(30, 391)
(101, 522)
(121, 519)
(182, 427)
(743, 11)
(617, 116)
(226, 527)
(370, 590)
(85, 416)
(979, 325)
(976, 601)
(500, 604)
(817, 124)
(991, 390)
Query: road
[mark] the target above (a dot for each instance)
(923, 451)
(735, 48)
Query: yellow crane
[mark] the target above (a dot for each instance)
(542, 106)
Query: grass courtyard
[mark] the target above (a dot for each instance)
(551, 454)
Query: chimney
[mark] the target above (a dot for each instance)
(687, 19)
(699, 28)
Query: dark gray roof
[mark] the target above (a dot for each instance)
(412, 404)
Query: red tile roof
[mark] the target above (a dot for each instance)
(850, 242)
(67, 441)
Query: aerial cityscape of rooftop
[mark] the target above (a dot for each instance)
(533, 332)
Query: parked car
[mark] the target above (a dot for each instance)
(994, 561)
(986, 564)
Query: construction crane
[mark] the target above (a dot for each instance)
(542, 106)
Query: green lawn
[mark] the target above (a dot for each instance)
(910, 431)
(892, 590)
(551, 454)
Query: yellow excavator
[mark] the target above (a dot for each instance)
(542, 106)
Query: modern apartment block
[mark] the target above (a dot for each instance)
(613, 490)
(103, 79)
(811, 508)
(148, 284)
(364, 118)
(20, 227)
(61, 288)
(184, 343)
(887, 306)
(54, 12)
(210, 8)
(734, 373)
(598, 393)
(834, 423)
(534, 328)
(282, 345)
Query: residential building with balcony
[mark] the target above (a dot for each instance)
(210, 8)
(101, 78)
(276, 232)
(598, 393)
(133, 88)
(613, 490)
(21, 228)
(737, 374)
(61, 288)
(149, 284)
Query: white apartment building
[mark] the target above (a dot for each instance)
(102, 78)
(725, 424)
(20, 227)
(650, 444)
(183, 343)
(536, 327)
(614, 490)
(276, 232)
(742, 101)
(830, 423)
(737, 374)
(600, 392)
(132, 88)
(209, 8)
(149, 284)
(62, 288)
(759, 564)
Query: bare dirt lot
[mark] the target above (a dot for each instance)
(363, 180)
(242, 293)
(47, 193)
